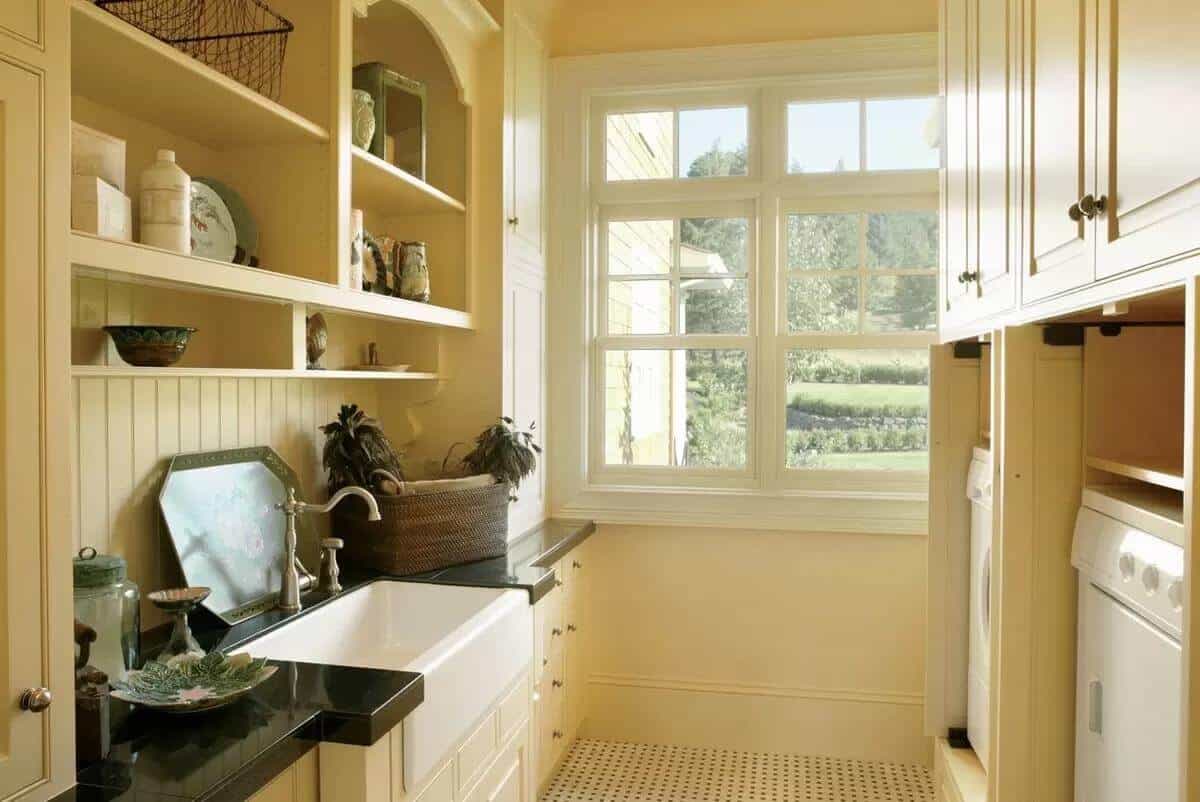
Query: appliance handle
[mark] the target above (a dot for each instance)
(1096, 706)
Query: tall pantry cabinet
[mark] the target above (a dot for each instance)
(35, 642)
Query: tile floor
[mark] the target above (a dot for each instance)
(599, 771)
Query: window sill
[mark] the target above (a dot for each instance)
(851, 511)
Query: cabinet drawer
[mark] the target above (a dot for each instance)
(474, 753)
(22, 17)
(442, 787)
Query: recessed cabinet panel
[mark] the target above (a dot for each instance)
(1149, 165)
(22, 18)
(1058, 155)
(526, 219)
(22, 531)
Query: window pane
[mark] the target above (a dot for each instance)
(713, 244)
(823, 304)
(902, 303)
(716, 409)
(713, 306)
(857, 410)
(639, 307)
(712, 142)
(640, 145)
(637, 418)
(676, 407)
(822, 241)
(902, 240)
(822, 137)
(902, 134)
(640, 246)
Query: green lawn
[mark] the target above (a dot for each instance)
(864, 394)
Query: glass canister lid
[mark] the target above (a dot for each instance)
(94, 570)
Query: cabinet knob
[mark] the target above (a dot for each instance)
(557, 683)
(967, 276)
(558, 583)
(556, 632)
(576, 564)
(557, 734)
(571, 628)
(35, 700)
(1074, 212)
(514, 221)
(1090, 206)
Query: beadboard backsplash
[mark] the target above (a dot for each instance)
(127, 429)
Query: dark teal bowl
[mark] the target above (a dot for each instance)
(150, 346)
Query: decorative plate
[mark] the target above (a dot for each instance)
(214, 235)
(188, 683)
(246, 250)
(382, 368)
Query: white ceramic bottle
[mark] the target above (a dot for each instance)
(166, 203)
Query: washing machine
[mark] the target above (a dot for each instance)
(979, 492)
(1130, 665)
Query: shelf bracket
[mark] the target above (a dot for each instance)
(1062, 334)
(969, 349)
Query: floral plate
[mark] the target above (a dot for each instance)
(188, 683)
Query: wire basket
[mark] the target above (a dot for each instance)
(243, 39)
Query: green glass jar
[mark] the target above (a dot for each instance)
(107, 601)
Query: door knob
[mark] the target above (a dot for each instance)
(1090, 206)
(35, 700)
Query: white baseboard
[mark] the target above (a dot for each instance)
(855, 724)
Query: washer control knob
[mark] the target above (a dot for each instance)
(1127, 566)
(1175, 594)
(1150, 579)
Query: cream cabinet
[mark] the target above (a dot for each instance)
(562, 650)
(299, 782)
(36, 737)
(22, 19)
(525, 138)
(979, 266)
(1147, 183)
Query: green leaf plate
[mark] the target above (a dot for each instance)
(189, 683)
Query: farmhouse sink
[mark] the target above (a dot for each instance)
(469, 643)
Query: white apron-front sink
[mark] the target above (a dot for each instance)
(469, 643)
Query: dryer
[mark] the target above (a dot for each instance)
(979, 492)
(1129, 666)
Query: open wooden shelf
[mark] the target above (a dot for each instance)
(127, 261)
(1151, 508)
(117, 65)
(118, 371)
(387, 190)
(1161, 471)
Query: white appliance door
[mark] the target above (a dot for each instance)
(1127, 705)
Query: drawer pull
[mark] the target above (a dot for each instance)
(556, 632)
(572, 628)
(557, 683)
(557, 734)
(576, 564)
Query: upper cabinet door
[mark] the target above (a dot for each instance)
(1149, 164)
(527, 120)
(955, 45)
(23, 614)
(1059, 167)
(22, 18)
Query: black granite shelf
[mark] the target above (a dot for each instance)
(230, 753)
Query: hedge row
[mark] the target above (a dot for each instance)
(831, 409)
(834, 371)
(842, 441)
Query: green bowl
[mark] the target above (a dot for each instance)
(150, 346)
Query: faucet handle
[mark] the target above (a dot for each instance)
(329, 566)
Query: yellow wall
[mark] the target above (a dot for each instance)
(762, 641)
(581, 27)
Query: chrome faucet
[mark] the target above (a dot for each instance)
(289, 588)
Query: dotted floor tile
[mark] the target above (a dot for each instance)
(599, 771)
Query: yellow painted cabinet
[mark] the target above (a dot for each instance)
(525, 139)
(1147, 164)
(978, 187)
(299, 782)
(22, 18)
(24, 760)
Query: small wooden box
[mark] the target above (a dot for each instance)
(96, 153)
(98, 208)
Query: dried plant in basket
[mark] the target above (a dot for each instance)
(357, 452)
(503, 451)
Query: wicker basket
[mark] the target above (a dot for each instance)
(424, 532)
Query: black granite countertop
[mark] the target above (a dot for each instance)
(230, 753)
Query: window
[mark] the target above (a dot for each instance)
(808, 280)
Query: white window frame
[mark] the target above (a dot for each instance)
(764, 79)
